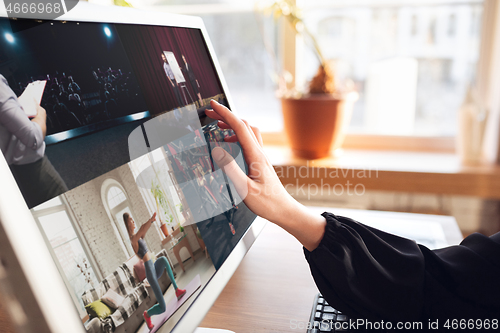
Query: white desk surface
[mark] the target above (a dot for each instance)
(433, 231)
(273, 284)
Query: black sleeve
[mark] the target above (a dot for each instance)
(370, 274)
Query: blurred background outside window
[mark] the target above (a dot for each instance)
(411, 60)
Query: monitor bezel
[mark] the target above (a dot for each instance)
(44, 298)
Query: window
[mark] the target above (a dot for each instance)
(117, 204)
(115, 196)
(439, 38)
(158, 175)
(452, 22)
(67, 248)
(426, 52)
(432, 31)
(414, 25)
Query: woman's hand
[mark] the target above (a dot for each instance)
(262, 190)
(145, 227)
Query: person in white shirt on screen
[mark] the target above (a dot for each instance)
(22, 144)
(172, 80)
(195, 85)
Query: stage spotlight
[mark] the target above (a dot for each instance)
(107, 31)
(9, 37)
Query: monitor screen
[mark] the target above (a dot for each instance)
(125, 192)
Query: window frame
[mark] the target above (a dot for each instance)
(149, 198)
(437, 144)
(105, 188)
(64, 206)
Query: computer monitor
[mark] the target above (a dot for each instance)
(127, 137)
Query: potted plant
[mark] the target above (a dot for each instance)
(183, 212)
(161, 201)
(315, 120)
(163, 227)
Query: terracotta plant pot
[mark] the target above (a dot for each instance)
(164, 229)
(316, 125)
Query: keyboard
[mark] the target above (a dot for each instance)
(325, 318)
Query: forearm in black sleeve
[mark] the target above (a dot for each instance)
(370, 274)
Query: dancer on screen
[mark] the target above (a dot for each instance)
(153, 270)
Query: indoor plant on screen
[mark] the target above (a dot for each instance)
(315, 120)
(161, 201)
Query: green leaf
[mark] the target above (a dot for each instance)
(122, 3)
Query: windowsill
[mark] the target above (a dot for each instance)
(380, 142)
(399, 171)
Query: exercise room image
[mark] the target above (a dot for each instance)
(91, 247)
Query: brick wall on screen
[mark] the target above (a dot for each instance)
(98, 229)
(95, 225)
